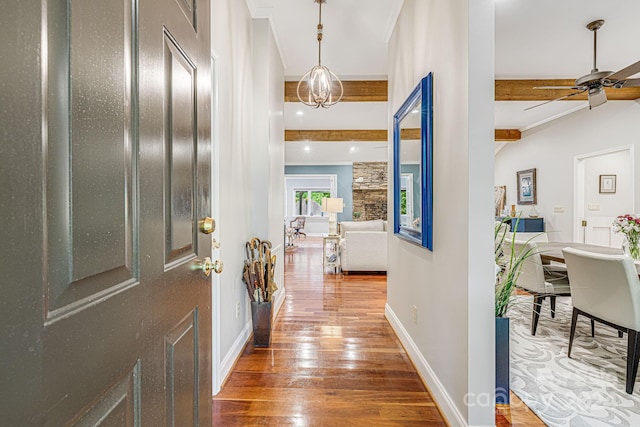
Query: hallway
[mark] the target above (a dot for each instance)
(334, 359)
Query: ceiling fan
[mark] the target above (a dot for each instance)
(595, 82)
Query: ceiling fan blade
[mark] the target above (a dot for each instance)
(557, 99)
(625, 72)
(631, 83)
(560, 87)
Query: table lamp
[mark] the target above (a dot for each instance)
(332, 206)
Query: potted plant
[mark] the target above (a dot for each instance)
(508, 263)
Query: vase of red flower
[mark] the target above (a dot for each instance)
(629, 225)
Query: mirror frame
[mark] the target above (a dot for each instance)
(423, 236)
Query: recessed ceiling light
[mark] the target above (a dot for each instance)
(307, 148)
(299, 113)
(352, 149)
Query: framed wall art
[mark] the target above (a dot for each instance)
(526, 187)
(607, 184)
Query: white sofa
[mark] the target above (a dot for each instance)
(363, 245)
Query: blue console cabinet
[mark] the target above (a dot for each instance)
(530, 225)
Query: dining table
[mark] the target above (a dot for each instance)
(552, 251)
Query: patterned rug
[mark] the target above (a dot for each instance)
(586, 390)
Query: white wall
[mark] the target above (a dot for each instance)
(240, 218)
(267, 152)
(552, 149)
(452, 340)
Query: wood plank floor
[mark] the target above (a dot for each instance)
(334, 360)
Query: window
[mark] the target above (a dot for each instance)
(304, 193)
(406, 199)
(309, 202)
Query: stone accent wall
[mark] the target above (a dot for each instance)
(370, 176)
(370, 183)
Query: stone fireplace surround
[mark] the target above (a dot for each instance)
(370, 183)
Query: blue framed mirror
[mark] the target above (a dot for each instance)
(413, 166)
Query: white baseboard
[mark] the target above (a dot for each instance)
(280, 294)
(279, 300)
(235, 352)
(429, 378)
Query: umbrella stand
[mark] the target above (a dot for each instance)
(261, 317)
(258, 276)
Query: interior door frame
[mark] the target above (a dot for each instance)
(579, 184)
(216, 371)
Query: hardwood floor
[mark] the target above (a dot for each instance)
(334, 360)
(516, 414)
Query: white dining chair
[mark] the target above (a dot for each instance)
(534, 280)
(553, 270)
(606, 288)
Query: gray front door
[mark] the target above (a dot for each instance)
(105, 173)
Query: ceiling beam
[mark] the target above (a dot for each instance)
(410, 133)
(354, 91)
(507, 135)
(505, 90)
(523, 90)
(373, 135)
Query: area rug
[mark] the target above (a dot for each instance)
(586, 390)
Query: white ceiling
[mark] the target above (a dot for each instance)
(534, 39)
(354, 44)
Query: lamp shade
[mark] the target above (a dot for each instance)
(332, 204)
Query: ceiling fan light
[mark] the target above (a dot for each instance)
(597, 96)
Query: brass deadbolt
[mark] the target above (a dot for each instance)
(207, 225)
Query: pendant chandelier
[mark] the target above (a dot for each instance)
(320, 87)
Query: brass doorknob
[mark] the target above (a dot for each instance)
(207, 225)
(208, 266)
(218, 266)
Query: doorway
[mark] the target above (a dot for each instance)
(108, 299)
(604, 188)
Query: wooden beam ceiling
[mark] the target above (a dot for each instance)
(354, 91)
(505, 90)
(373, 135)
(523, 90)
(507, 135)
(410, 133)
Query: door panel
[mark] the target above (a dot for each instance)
(599, 231)
(119, 407)
(189, 9)
(175, 147)
(90, 140)
(107, 320)
(181, 142)
(182, 372)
